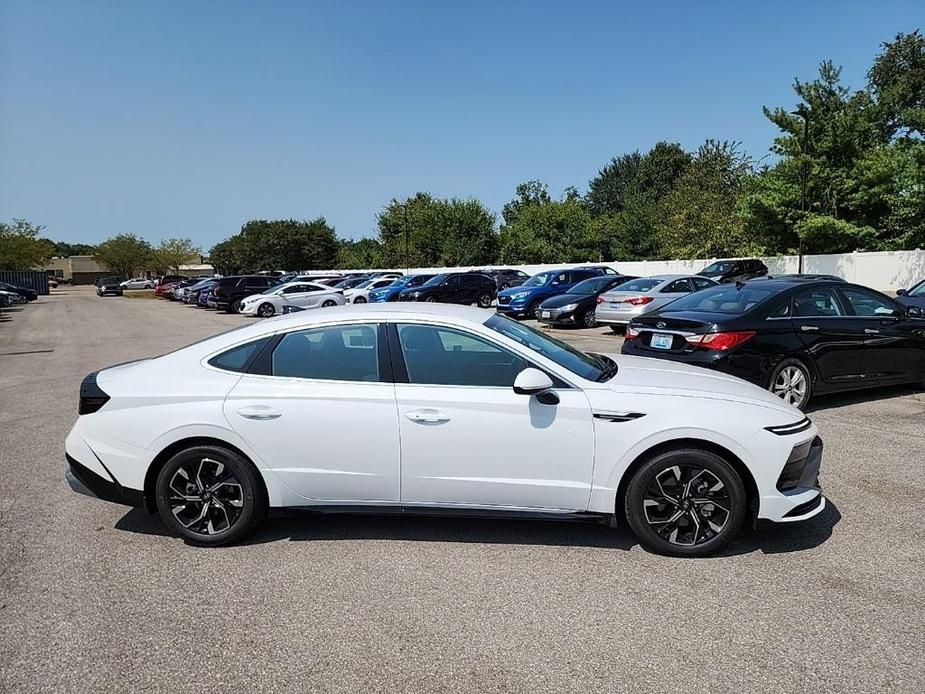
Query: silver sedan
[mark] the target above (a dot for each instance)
(620, 305)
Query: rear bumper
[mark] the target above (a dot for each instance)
(743, 366)
(84, 481)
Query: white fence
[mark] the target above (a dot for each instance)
(886, 271)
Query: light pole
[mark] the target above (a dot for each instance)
(803, 113)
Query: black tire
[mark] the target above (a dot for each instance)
(534, 310)
(214, 518)
(587, 319)
(690, 521)
(484, 300)
(792, 382)
(430, 299)
(360, 300)
(328, 303)
(266, 310)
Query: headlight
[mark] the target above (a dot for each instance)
(568, 307)
(520, 295)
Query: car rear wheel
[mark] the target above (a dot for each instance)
(210, 495)
(266, 309)
(685, 502)
(430, 299)
(484, 300)
(792, 383)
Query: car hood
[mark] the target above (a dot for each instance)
(565, 300)
(648, 375)
(510, 291)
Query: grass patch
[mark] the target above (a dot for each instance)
(139, 294)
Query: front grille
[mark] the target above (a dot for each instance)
(802, 467)
(504, 300)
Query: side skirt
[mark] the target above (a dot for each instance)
(442, 512)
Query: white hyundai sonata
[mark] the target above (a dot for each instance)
(438, 409)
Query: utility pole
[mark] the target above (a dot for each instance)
(803, 113)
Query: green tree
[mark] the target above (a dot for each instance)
(550, 231)
(225, 257)
(897, 81)
(702, 216)
(362, 254)
(62, 249)
(124, 254)
(20, 247)
(172, 253)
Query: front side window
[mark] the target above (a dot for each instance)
(816, 303)
(869, 304)
(445, 356)
(337, 352)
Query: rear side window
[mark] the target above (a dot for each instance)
(701, 283)
(238, 358)
(337, 353)
(816, 303)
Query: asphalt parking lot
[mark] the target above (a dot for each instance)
(96, 598)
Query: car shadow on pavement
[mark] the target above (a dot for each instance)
(860, 397)
(306, 527)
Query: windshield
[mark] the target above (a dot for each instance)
(590, 367)
(726, 298)
(718, 268)
(918, 290)
(274, 289)
(539, 280)
(642, 285)
(436, 279)
(595, 285)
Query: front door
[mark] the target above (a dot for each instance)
(894, 347)
(468, 439)
(320, 418)
(834, 339)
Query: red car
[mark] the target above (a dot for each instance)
(162, 289)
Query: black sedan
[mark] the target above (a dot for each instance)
(796, 338)
(723, 271)
(913, 297)
(454, 288)
(576, 306)
(26, 293)
(109, 285)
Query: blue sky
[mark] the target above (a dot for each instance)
(189, 118)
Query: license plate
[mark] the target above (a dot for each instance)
(660, 341)
(615, 304)
(545, 314)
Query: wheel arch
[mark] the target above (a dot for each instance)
(189, 442)
(748, 480)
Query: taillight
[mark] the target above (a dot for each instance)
(630, 334)
(92, 397)
(721, 341)
(599, 300)
(639, 300)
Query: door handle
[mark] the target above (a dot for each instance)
(259, 413)
(808, 328)
(427, 416)
(871, 331)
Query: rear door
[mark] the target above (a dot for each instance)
(834, 339)
(894, 346)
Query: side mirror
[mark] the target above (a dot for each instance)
(913, 312)
(532, 381)
(900, 292)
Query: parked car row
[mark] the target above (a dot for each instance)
(12, 295)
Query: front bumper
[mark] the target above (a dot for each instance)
(556, 317)
(793, 492)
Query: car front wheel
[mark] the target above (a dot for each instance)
(534, 310)
(266, 309)
(685, 502)
(210, 495)
(792, 383)
(360, 300)
(588, 320)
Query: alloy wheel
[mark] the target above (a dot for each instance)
(266, 310)
(329, 303)
(360, 300)
(790, 385)
(484, 300)
(205, 496)
(686, 505)
(588, 319)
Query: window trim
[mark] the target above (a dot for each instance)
(400, 369)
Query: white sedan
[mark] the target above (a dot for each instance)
(360, 293)
(299, 294)
(436, 409)
(138, 283)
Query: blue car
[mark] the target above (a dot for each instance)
(525, 300)
(391, 292)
